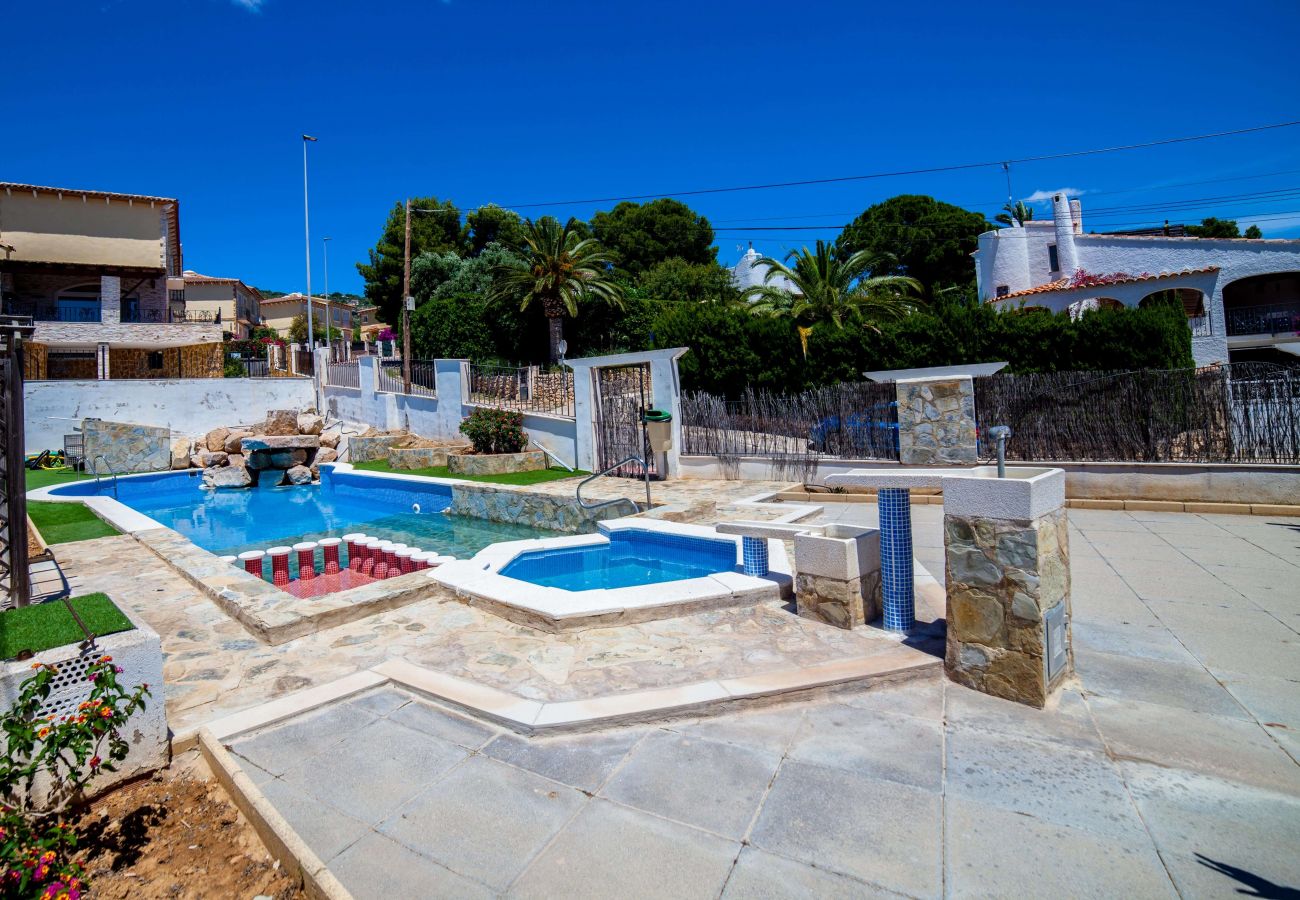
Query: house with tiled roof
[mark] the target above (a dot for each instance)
(1241, 296)
(235, 306)
(99, 273)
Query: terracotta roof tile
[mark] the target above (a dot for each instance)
(1063, 284)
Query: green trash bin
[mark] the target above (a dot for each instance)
(659, 429)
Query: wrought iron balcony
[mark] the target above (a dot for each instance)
(87, 313)
(1270, 318)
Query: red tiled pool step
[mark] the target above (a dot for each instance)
(327, 584)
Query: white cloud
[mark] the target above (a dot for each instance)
(250, 5)
(1044, 196)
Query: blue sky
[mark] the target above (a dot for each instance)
(521, 102)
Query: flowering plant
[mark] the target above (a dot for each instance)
(37, 850)
(387, 335)
(495, 431)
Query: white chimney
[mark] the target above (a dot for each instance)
(1067, 260)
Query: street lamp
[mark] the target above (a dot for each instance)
(306, 228)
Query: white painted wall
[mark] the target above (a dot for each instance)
(190, 406)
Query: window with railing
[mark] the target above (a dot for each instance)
(1268, 318)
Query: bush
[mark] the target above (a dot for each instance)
(234, 369)
(495, 431)
(37, 849)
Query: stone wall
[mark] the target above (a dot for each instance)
(35, 357)
(195, 361)
(126, 447)
(538, 510)
(936, 422)
(496, 463)
(1002, 577)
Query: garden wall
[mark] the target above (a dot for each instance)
(186, 406)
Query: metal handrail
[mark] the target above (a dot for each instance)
(94, 464)
(603, 503)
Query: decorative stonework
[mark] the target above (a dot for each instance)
(121, 447)
(496, 463)
(936, 422)
(837, 576)
(1003, 576)
(417, 457)
(366, 448)
(496, 504)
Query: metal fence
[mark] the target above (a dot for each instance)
(423, 379)
(252, 364)
(343, 374)
(1246, 412)
(522, 389)
(853, 421)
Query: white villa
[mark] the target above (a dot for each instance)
(1242, 296)
(748, 272)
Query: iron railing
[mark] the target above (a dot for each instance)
(522, 389)
(343, 374)
(1246, 412)
(50, 311)
(423, 379)
(1270, 318)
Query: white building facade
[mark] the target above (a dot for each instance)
(1242, 296)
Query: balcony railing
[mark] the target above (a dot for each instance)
(55, 312)
(1271, 318)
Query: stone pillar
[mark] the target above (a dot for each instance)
(584, 408)
(102, 356)
(110, 299)
(837, 580)
(1008, 586)
(936, 421)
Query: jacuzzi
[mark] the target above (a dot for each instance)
(634, 570)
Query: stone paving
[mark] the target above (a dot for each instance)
(1169, 768)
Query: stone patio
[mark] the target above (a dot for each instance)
(1169, 768)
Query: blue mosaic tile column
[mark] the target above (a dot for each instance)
(896, 559)
(754, 552)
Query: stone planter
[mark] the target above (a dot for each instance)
(837, 575)
(139, 653)
(496, 463)
(417, 457)
(365, 448)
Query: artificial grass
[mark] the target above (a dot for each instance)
(39, 478)
(49, 624)
(61, 523)
(538, 476)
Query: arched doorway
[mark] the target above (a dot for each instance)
(79, 303)
(1263, 304)
(1190, 300)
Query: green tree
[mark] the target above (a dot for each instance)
(558, 269)
(1215, 228)
(639, 235)
(493, 224)
(917, 236)
(298, 331)
(430, 271)
(827, 287)
(1017, 212)
(435, 228)
(675, 280)
(1253, 233)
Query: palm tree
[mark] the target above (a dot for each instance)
(559, 268)
(1017, 211)
(823, 287)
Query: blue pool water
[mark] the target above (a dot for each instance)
(630, 558)
(231, 521)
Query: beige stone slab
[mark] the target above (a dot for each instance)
(486, 701)
(1153, 505)
(631, 705)
(1232, 509)
(1095, 504)
(287, 707)
(1274, 509)
(894, 660)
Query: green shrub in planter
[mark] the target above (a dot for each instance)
(495, 431)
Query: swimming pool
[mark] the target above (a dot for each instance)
(228, 522)
(627, 559)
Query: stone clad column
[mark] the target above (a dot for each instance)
(1007, 573)
(110, 299)
(936, 421)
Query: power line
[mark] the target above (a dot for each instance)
(925, 171)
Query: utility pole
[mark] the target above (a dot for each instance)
(306, 228)
(406, 305)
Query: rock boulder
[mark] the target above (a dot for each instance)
(281, 422)
(298, 475)
(309, 423)
(329, 439)
(181, 447)
(216, 439)
(227, 477)
(234, 441)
